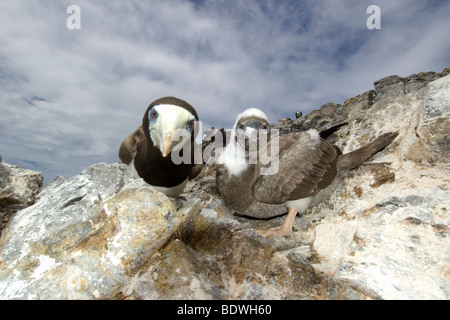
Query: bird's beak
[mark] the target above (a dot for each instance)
(167, 144)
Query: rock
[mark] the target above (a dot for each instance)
(20, 185)
(18, 189)
(328, 109)
(85, 237)
(396, 209)
(383, 233)
(432, 142)
(398, 202)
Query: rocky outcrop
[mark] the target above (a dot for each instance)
(18, 189)
(384, 233)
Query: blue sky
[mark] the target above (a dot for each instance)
(69, 97)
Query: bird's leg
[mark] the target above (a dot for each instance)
(285, 229)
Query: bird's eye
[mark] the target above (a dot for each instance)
(153, 114)
(190, 125)
(240, 126)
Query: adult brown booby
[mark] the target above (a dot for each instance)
(148, 149)
(306, 163)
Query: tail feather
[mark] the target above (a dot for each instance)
(328, 132)
(353, 159)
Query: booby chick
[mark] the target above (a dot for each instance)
(305, 164)
(147, 151)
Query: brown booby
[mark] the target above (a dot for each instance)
(306, 165)
(148, 149)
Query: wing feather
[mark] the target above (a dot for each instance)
(129, 146)
(307, 164)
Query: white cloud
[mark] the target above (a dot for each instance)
(69, 97)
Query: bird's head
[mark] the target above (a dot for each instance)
(170, 123)
(251, 130)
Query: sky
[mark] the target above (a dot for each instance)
(69, 96)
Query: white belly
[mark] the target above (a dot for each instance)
(301, 205)
(172, 192)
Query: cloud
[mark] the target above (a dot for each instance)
(69, 97)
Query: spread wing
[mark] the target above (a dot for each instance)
(307, 164)
(128, 148)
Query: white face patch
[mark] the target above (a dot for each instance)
(234, 155)
(171, 122)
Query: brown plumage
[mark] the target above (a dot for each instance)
(307, 164)
(129, 146)
(151, 160)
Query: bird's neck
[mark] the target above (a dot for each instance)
(235, 160)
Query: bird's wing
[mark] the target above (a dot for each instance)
(306, 164)
(128, 148)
